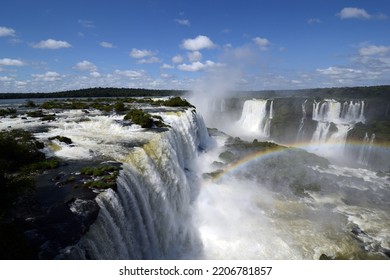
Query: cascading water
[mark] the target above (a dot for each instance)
(148, 216)
(334, 120)
(366, 149)
(301, 132)
(254, 119)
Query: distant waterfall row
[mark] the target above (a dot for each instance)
(255, 118)
(343, 116)
(333, 111)
(148, 216)
(334, 121)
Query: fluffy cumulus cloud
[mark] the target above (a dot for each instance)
(49, 76)
(198, 66)
(358, 13)
(263, 43)
(95, 74)
(339, 71)
(184, 22)
(132, 74)
(5, 31)
(51, 44)
(11, 62)
(198, 43)
(167, 66)
(136, 53)
(149, 60)
(194, 56)
(177, 59)
(85, 65)
(5, 79)
(374, 50)
(106, 45)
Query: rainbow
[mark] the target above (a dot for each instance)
(307, 146)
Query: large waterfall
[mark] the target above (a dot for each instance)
(334, 120)
(148, 216)
(255, 120)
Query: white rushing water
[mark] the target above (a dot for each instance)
(255, 120)
(334, 121)
(366, 149)
(163, 208)
(244, 217)
(149, 216)
(301, 132)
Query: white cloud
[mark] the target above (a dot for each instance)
(5, 31)
(86, 23)
(85, 65)
(149, 60)
(198, 43)
(177, 59)
(136, 53)
(197, 66)
(167, 66)
(194, 56)
(47, 77)
(357, 13)
(314, 21)
(129, 74)
(107, 45)
(296, 81)
(165, 75)
(337, 71)
(262, 42)
(374, 50)
(5, 79)
(51, 44)
(95, 74)
(20, 84)
(185, 22)
(11, 62)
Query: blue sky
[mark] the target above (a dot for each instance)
(250, 45)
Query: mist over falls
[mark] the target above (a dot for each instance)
(183, 191)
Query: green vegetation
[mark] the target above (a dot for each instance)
(96, 92)
(98, 171)
(381, 128)
(139, 117)
(227, 156)
(237, 143)
(42, 115)
(119, 107)
(99, 177)
(30, 104)
(20, 158)
(213, 175)
(145, 120)
(175, 102)
(7, 112)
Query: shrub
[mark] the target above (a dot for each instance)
(139, 117)
(119, 106)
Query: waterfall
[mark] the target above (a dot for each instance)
(366, 149)
(301, 132)
(254, 119)
(148, 216)
(344, 117)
